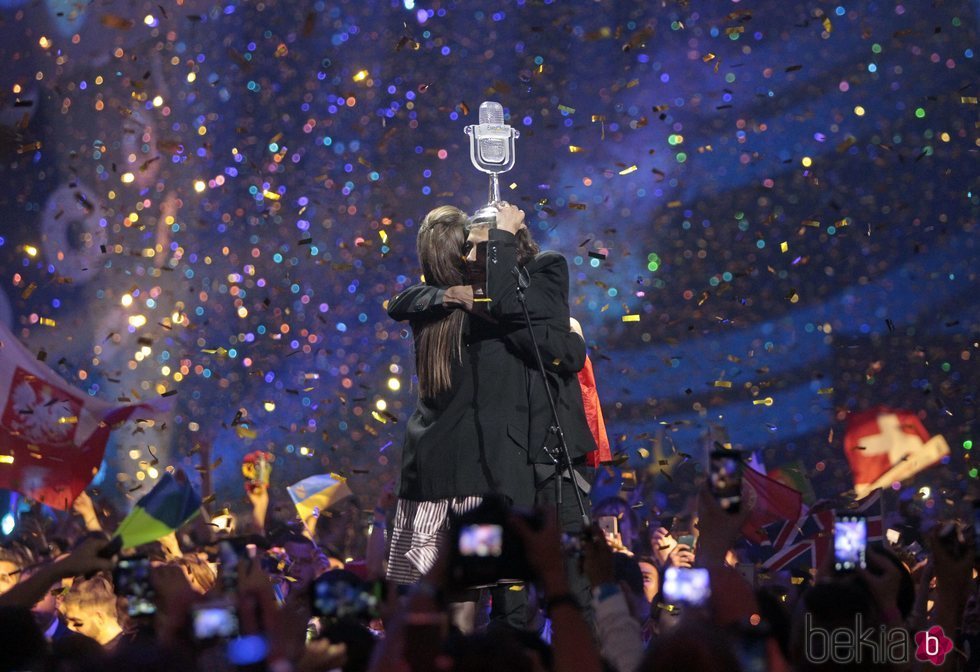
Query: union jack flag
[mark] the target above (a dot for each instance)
(810, 538)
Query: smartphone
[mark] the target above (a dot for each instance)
(228, 561)
(686, 540)
(684, 585)
(725, 479)
(214, 621)
(850, 542)
(609, 525)
(341, 594)
(131, 579)
(482, 541)
(976, 529)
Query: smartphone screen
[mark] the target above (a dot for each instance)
(976, 529)
(215, 621)
(481, 540)
(686, 586)
(131, 579)
(609, 525)
(725, 478)
(347, 597)
(850, 543)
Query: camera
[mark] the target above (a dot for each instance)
(686, 586)
(485, 549)
(131, 579)
(342, 594)
(214, 620)
(850, 542)
(725, 479)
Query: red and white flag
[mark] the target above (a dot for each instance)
(52, 436)
(768, 501)
(884, 446)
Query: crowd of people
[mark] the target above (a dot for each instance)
(285, 599)
(496, 557)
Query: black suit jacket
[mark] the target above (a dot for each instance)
(483, 434)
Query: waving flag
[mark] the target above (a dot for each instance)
(170, 504)
(317, 493)
(768, 502)
(884, 446)
(52, 436)
(807, 541)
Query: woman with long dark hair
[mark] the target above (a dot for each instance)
(429, 490)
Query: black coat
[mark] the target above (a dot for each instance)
(483, 435)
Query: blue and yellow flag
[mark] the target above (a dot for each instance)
(317, 493)
(170, 504)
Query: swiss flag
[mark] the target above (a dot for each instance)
(52, 436)
(768, 501)
(884, 445)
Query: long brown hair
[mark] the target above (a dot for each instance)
(439, 342)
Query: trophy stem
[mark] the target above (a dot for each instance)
(494, 195)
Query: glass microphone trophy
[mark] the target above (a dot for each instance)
(492, 152)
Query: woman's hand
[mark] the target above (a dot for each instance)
(662, 544)
(459, 296)
(510, 218)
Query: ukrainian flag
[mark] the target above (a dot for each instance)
(317, 493)
(170, 504)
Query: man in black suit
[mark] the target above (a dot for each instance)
(490, 432)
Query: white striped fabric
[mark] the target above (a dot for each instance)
(418, 531)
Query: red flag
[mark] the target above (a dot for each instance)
(768, 502)
(593, 413)
(52, 436)
(884, 445)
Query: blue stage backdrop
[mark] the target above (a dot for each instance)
(769, 210)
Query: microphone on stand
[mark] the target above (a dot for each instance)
(491, 152)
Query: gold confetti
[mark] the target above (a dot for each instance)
(6, 459)
(627, 171)
(575, 149)
(631, 318)
(360, 75)
(271, 195)
(723, 383)
(827, 25)
(968, 100)
(566, 109)
(708, 57)
(784, 246)
(762, 402)
(47, 322)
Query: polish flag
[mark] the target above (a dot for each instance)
(884, 446)
(52, 436)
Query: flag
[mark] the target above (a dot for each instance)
(317, 493)
(807, 541)
(52, 436)
(884, 446)
(593, 413)
(768, 502)
(793, 475)
(170, 504)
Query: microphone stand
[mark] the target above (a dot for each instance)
(559, 455)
